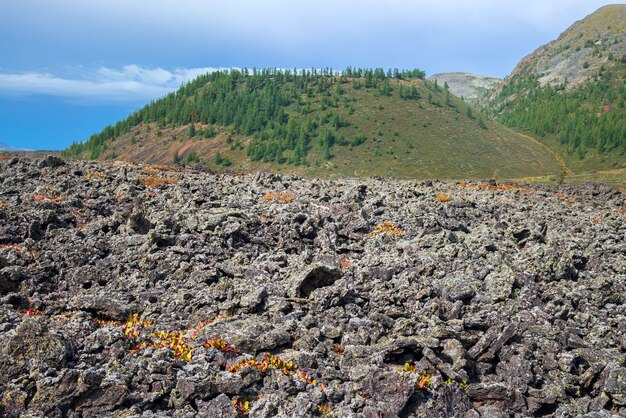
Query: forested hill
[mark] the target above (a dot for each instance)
(572, 92)
(318, 122)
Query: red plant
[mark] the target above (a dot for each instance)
(339, 349)
(34, 313)
(243, 406)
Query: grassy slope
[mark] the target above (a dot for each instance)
(406, 139)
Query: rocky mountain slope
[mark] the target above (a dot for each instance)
(571, 93)
(135, 290)
(470, 87)
(579, 53)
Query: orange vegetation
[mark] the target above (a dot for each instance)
(46, 198)
(442, 197)
(344, 263)
(504, 187)
(269, 362)
(15, 247)
(95, 176)
(32, 313)
(164, 167)
(221, 345)
(388, 228)
(324, 410)
(156, 182)
(280, 197)
(150, 171)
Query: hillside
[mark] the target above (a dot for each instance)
(470, 87)
(572, 92)
(137, 290)
(364, 122)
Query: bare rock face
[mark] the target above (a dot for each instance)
(130, 290)
(471, 87)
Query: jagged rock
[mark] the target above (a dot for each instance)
(522, 302)
(388, 391)
(51, 161)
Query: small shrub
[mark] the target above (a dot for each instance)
(15, 247)
(46, 198)
(358, 140)
(192, 158)
(163, 167)
(242, 406)
(388, 228)
(324, 410)
(33, 313)
(279, 197)
(442, 197)
(223, 161)
(269, 362)
(156, 182)
(97, 176)
(344, 263)
(424, 379)
(221, 345)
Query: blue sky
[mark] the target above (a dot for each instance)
(70, 67)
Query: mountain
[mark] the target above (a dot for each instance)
(5, 147)
(571, 93)
(470, 87)
(317, 123)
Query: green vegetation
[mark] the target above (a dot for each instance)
(269, 105)
(319, 123)
(589, 117)
(192, 158)
(224, 162)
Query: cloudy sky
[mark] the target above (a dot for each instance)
(70, 67)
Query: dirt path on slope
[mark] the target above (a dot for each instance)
(552, 152)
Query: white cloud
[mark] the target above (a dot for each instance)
(131, 83)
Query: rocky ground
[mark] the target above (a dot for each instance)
(130, 290)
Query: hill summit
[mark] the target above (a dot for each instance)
(358, 123)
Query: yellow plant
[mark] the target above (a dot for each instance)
(388, 228)
(34, 313)
(442, 197)
(280, 197)
(324, 410)
(221, 345)
(156, 182)
(95, 176)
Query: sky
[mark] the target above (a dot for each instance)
(68, 68)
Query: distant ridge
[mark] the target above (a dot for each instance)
(5, 147)
(470, 87)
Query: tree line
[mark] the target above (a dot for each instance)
(267, 105)
(592, 116)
